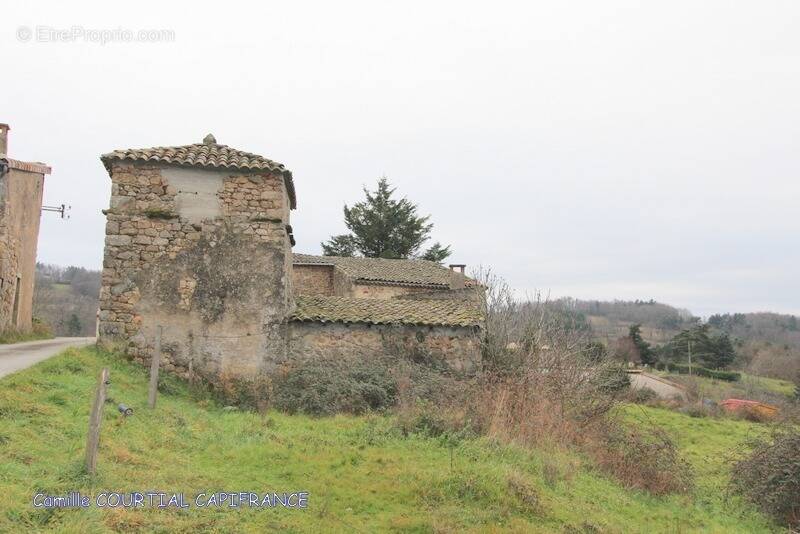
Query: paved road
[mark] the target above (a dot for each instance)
(664, 388)
(18, 356)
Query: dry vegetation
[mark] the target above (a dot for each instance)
(770, 476)
(541, 387)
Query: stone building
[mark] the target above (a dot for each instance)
(199, 249)
(371, 305)
(21, 189)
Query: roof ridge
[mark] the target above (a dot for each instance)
(211, 155)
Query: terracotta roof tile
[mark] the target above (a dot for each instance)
(27, 166)
(208, 154)
(392, 311)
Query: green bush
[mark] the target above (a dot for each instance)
(683, 369)
(612, 380)
(770, 477)
(327, 387)
(642, 395)
(643, 458)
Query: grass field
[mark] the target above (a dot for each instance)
(752, 387)
(20, 337)
(362, 474)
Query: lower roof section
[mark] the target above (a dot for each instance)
(454, 313)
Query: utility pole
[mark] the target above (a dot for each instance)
(689, 342)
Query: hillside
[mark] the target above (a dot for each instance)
(767, 344)
(65, 298)
(362, 473)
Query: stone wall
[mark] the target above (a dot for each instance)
(313, 279)
(458, 347)
(204, 256)
(20, 212)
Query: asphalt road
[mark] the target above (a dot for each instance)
(18, 356)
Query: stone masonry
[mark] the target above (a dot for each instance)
(198, 252)
(21, 191)
(201, 254)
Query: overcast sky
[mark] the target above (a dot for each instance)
(593, 149)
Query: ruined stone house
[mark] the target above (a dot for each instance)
(199, 248)
(21, 190)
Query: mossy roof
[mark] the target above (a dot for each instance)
(391, 311)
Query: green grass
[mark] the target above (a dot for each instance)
(709, 444)
(772, 385)
(752, 387)
(13, 336)
(363, 475)
(61, 288)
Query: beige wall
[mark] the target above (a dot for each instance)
(374, 291)
(20, 212)
(458, 347)
(313, 279)
(213, 274)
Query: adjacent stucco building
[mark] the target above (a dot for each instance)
(21, 190)
(199, 253)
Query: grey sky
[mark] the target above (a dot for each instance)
(592, 149)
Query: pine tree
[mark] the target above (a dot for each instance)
(74, 326)
(712, 351)
(646, 352)
(384, 227)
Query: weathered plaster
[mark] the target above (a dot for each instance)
(20, 211)
(195, 192)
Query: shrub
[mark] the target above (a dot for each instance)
(698, 410)
(246, 392)
(327, 387)
(641, 458)
(683, 369)
(525, 492)
(612, 379)
(770, 476)
(435, 420)
(642, 395)
(752, 414)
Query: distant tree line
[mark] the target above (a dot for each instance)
(707, 348)
(66, 299)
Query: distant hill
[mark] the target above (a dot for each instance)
(66, 299)
(610, 320)
(767, 344)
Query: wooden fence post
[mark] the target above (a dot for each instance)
(95, 418)
(154, 362)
